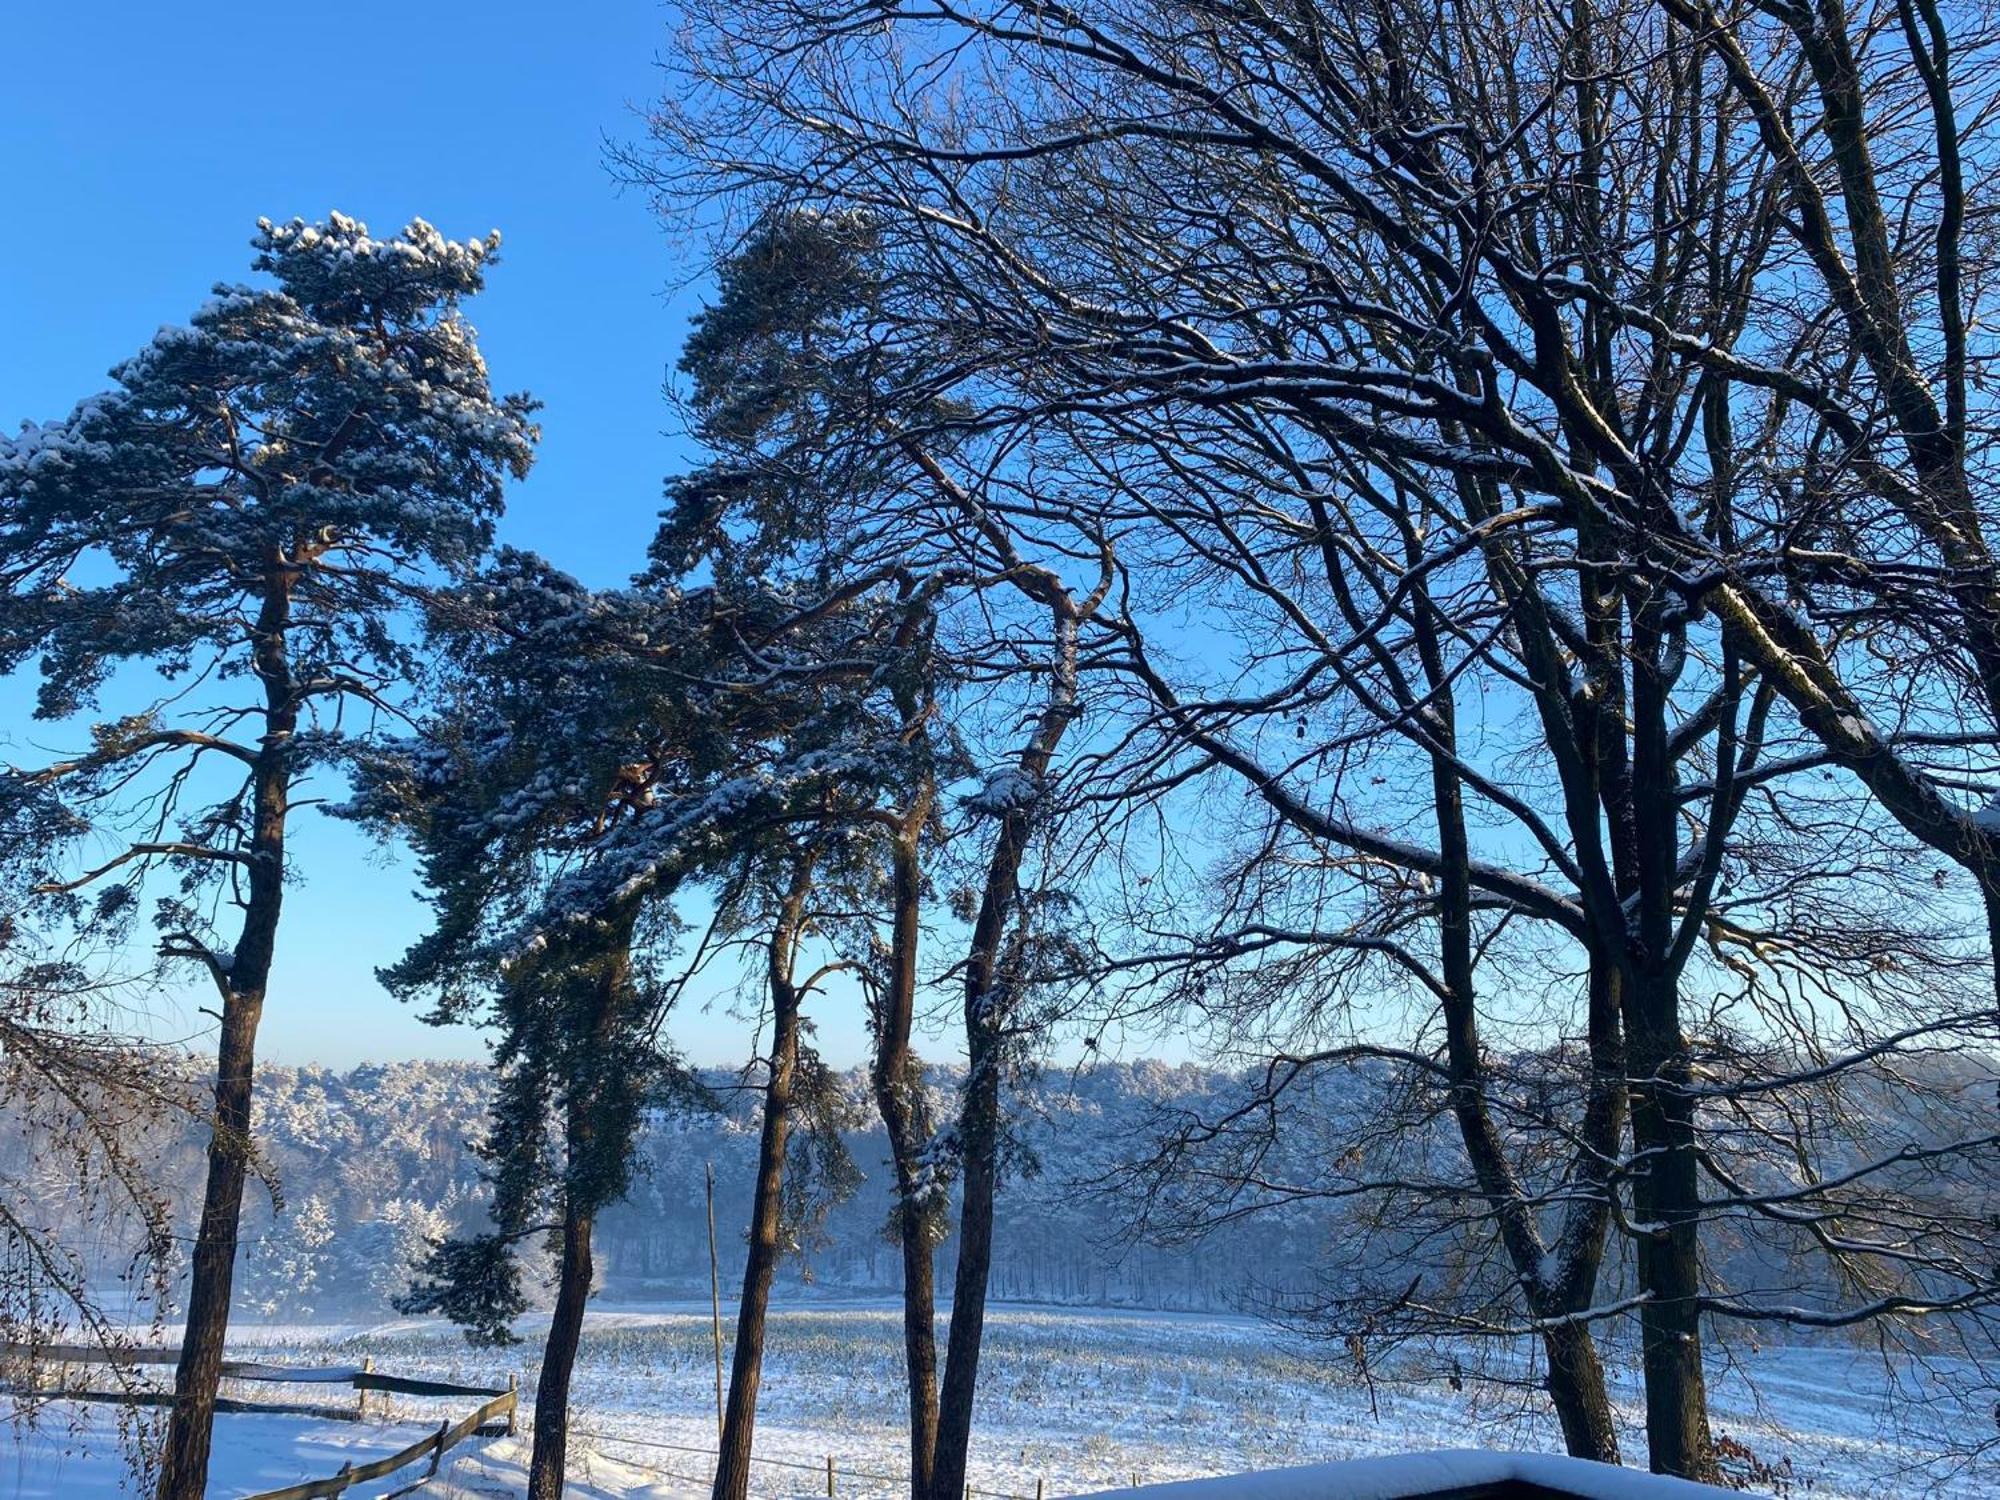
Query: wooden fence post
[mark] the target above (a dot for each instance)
(829, 1476)
(514, 1388)
(361, 1391)
(1038, 1487)
(437, 1453)
(340, 1479)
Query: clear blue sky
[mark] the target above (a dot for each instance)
(143, 141)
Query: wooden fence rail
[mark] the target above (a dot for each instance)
(360, 1377)
(502, 1405)
(448, 1436)
(155, 1354)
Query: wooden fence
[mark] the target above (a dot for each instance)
(501, 1407)
(832, 1467)
(448, 1436)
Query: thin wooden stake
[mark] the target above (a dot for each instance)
(829, 1476)
(1038, 1487)
(361, 1391)
(514, 1406)
(715, 1301)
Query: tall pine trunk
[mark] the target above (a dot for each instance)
(610, 977)
(920, 1344)
(897, 1095)
(979, 1131)
(551, 1445)
(241, 982)
(989, 1004)
(746, 1369)
(198, 1375)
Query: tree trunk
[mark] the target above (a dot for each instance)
(1666, 1194)
(920, 1344)
(989, 980)
(1576, 1375)
(184, 1461)
(1576, 1389)
(241, 981)
(611, 980)
(1666, 1200)
(897, 1096)
(746, 1369)
(551, 1446)
(979, 1130)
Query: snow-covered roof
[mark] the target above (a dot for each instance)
(1464, 1472)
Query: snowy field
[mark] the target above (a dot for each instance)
(1079, 1400)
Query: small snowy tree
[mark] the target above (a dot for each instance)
(241, 515)
(285, 1271)
(387, 1250)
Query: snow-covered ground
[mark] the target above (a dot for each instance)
(75, 1451)
(1078, 1400)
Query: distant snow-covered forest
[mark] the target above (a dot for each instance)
(365, 1169)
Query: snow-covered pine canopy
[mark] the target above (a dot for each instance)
(245, 512)
(326, 436)
(592, 753)
(597, 748)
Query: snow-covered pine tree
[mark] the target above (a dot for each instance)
(285, 1272)
(799, 409)
(507, 794)
(242, 515)
(593, 753)
(834, 456)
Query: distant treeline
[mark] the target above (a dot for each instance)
(365, 1167)
(369, 1163)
